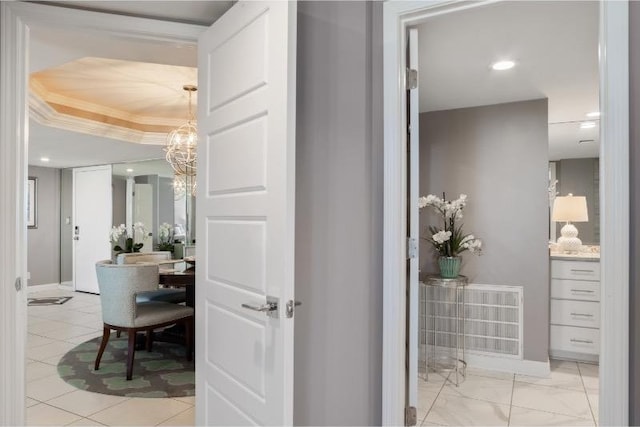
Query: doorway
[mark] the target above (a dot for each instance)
(397, 19)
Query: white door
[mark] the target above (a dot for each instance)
(245, 216)
(92, 213)
(413, 227)
(143, 212)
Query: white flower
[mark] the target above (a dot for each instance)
(422, 202)
(441, 236)
(164, 231)
(116, 232)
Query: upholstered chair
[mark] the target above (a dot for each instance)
(175, 296)
(119, 285)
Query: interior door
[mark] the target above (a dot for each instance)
(413, 226)
(92, 213)
(245, 216)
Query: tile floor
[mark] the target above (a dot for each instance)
(55, 329)
(569, 397)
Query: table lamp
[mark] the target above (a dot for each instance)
(570, 209)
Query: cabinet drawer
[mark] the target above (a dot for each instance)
(577, 340)
(575, 289)
(575, 313)
(575, 270)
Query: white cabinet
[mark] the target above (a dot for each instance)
(575, 309)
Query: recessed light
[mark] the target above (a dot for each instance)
(587, 125)
(503, 65)
(44, 159)
(129, 170)
(594, 114)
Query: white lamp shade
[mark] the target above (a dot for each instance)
(570, 209)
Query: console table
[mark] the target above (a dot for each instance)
(444, 329)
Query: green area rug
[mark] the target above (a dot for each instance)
(163, 372)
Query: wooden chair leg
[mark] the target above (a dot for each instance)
(188, 333)
(130, 353)
(149, 339)
(118, 333)
(106, 332)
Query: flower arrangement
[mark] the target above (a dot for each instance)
(449, 241)
(123, 243)
(165, 237)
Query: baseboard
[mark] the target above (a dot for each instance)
(68, 286)
(504, 364)
(44, 287)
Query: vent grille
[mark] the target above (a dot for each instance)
(493, 323)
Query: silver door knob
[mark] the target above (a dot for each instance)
(271, 307)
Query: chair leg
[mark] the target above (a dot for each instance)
(188, 333)
(105, 339)
(118, 333)
(149, 339)
(130, 353)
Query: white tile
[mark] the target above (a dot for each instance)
(84, 338)
(37, 370)
(531, 417)
(48, 388)
(85, 422)
(85, 403)
(563, 365)
(45, 415)
(594, 401)
(43, 327)
(564, 378)
(69, 332)
(140, 411)
(427, 394)
(47, 351)
(186, 418)
(28, 402)
(590, 377)
(36, 340)
(482, 388)
(191, 400)
(460, 411)
(489, 374)
(551, 399)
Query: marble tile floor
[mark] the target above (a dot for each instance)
(52, 331)
(569, 397)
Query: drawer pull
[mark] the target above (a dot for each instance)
(577, 270)
(586, 291)
(581, 315)
(581, 341)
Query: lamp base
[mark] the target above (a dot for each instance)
(569, 241)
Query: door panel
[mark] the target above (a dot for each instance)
(143, 212)
(92, 212)
(245, 215)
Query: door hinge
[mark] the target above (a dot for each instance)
(412, 248)
(411, 80)
(410, 416)
(290, 308)
(18, 284)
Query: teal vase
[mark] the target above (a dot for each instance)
(449, 266)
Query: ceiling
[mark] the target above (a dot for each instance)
(554, 45)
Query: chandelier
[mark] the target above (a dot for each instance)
(184, 185)
(182, 143)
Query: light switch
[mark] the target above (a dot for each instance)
(67, 220)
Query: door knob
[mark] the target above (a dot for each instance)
(76, 238)
(271, 307)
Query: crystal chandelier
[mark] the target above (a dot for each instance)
(184, 185)
(182, 143)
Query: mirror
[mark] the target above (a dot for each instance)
(574, 167)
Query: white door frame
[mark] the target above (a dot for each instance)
(15, 19)
(614, 199)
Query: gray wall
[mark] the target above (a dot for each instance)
(580, 178)
(119, 196)
(338, 335)
(43, 243)
(66, 228)
(498, 156)
(634, 159)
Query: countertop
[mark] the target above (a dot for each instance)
(581, 256)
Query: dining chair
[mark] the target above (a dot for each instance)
(119, 285)
(175, 296)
